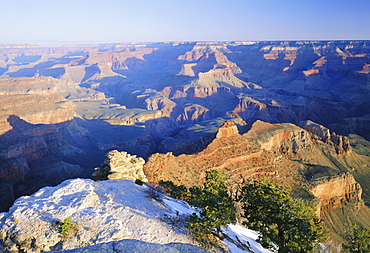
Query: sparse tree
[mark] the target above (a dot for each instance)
(214, 205)
(174, 191)
(358, 240)
(284, 222)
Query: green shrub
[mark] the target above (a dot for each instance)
(283, 221)
(214, 205)
(66, 227)
(174, 191)
(358, 240)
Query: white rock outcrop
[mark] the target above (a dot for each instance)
(101, 211)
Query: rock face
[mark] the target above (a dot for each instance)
(101, 212)
(341, 143)
(237, 155)
(14, 170)
(6, 195)
(120, 165)
(30, 156)
(283, 138)
(336, 192)
(340, 204)
(227, 129)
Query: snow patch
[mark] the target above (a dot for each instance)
(179, 206)
(245, 236)
(234, 231)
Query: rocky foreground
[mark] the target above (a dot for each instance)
(101, 212)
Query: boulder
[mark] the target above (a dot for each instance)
(120, 165)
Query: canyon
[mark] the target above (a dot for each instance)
(297, 112)
(292, 156)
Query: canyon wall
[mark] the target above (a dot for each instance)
(64, 108)
(287, 154)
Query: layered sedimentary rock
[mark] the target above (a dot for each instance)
(284, 138)
(286, 153)
(229, 152)
(35, 109)
(322, 133)
(227, 129)
(336, 192)
(31, 156)
(79, 102)
(35, 100)
(281, 80)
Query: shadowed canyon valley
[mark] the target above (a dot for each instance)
(297, 112)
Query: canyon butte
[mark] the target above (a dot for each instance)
(297, 112)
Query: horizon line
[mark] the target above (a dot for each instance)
(94, 43)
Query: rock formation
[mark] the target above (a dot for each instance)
(6, 195)
(100, 212)
(30, 156)
(283, 138)
(227, 129)
(120, 165)
(287, 154)
(336, 192)
(341, 143)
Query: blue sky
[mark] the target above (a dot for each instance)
(99, 21)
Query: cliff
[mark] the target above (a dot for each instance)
(336, 192)
(341, 143)
(32, 157)
(286, 153)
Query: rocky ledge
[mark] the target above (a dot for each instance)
(97, 212)
(319, 132)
